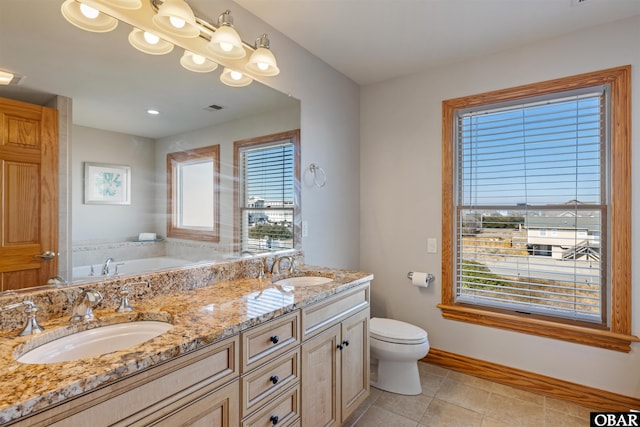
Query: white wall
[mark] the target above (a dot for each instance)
(401, 199)
(329, 136)
(113, 222)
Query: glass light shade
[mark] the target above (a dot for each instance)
(127, 4)
(177, 18)
(139, 41)
(225, 42)
(197, 63)
(71, 10)
(5, 77)
(263, 63)
(234, 78)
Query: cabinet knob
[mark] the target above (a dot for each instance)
(274, 419)
(274, 379)
(340, 346)
(345, 342)
(274, 339)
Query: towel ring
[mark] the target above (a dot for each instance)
(319, 175)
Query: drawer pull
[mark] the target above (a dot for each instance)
(274, 419)
(274, 339)
(345, 342)
(340, 346)
(274, 379)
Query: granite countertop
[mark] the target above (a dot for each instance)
(199, 317)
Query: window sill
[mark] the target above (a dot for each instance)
(543, 328)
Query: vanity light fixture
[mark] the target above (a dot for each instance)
(176, 17)
(87, 18)
(262, 60)
(234, 78)
(5, 78)
(158, 25)
(149, 43)
(226, 41)
(127, 4)
(197, 63)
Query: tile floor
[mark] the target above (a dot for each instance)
(451, 398)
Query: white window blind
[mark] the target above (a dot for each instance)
(531, 205)
(267, 200)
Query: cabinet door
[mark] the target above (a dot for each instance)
(355, 361)
(216, 409)
(320, 379)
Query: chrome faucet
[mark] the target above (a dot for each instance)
(105, 266)
(31, 326)
(278, 261)
(85, 303)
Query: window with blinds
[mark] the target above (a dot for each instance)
(267, 201)
(531, 205)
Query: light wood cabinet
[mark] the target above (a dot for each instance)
(205, 380)
(335, 360)
(307, 368)
(270, 381)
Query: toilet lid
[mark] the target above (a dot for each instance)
(396, 331)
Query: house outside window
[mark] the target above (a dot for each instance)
(267, 192)
(529, 179)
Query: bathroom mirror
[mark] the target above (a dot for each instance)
(111, 86)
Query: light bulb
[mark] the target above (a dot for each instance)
(151, 38)
(226, 46)
(197, 59)
(177, 22)
(88, 11)
(236, 75)
(263, 66)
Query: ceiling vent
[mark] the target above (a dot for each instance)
(578, 2)
(214, 107)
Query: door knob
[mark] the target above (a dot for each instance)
(47, 255)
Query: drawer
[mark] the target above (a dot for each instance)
(267, 381)
(268, 341)
(318, 317)
(283, 411)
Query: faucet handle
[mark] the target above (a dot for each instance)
(31, 326)
(124, 294)
(124, 300)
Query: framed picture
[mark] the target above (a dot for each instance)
(107, 184)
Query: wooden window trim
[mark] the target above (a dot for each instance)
(210, 152)
(618, 335)
(238, 146)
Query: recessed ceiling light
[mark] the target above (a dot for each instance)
(153, 112)
(5, 77)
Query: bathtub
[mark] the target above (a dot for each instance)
(129, 267)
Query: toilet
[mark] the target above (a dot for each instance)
(397, 346)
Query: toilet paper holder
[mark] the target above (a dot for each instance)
(430, 277)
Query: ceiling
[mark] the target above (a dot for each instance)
(112, 85)
(374, 40)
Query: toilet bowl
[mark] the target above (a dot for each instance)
(397, 346)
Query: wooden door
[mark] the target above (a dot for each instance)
(355, 361)
(321, 379)
(29, 184)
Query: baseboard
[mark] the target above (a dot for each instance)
(548, 386)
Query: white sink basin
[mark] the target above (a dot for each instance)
(301, 281)
(95, 342)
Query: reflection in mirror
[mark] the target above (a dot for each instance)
(268, 191)
(103, 88)
(193, 198)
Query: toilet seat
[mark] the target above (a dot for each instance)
(396, 332)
